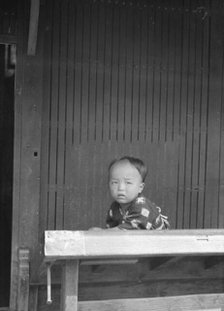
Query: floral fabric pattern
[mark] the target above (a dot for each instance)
(139, 214)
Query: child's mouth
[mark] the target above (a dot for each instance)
(121, 196)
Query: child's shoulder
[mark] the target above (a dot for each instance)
(142, 201)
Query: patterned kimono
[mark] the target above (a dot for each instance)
(141, 213)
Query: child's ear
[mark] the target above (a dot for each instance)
(141, 187)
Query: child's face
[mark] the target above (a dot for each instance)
(125, 182)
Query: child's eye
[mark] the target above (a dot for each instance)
(128, 183)
(114, 182)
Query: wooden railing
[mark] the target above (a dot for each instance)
(72, 248)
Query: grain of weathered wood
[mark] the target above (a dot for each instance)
(73, 246)
(69, 295)
(94, 244)
(23, 280)
(182, 303)
(54, 117)
(33, 27)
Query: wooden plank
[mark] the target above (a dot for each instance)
(69, 293)
(149, 85)
(128, 75)
(171, 76)
(175, 271)
(69, 113)
(136, 67)
(54, 116)
(215, 105)
(143, 23)
(122, 44)
(94, 244)
(221, 159)
(106, 46)
(87, 82)
(205, 80)
(192, 205)
(24, 277)
(46, 119)
(61, 117)
(8, 39)
(108, 261)
(164, 54)
(99, 106)
(114, 87)
(92, 85)
(29, 90)
(33, 27)
(131, 289)
(33, 298)
(157, 63)
(190, 118)
(183, 122)
(77, 84)
(210, 302)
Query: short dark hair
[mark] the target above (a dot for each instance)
(137, 163)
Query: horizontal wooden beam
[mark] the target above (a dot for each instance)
(210, 302)
(8, 39)
(60, 245)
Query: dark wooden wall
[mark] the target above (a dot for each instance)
(110, 78)
(143, 78)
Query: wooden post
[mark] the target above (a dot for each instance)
(23, 284)
(33, 27)
(69, 290)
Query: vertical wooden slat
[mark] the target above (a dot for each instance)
(156, 75)
(135, 75)
(171, 76)
(189, 119)
(99, 15)
(54, 106)
(149, 74)
(77, 100)
(206, 217)
(142, 74)
(114, 86)
(61, 117)
(93, 74)
(162, 78)
(221, 153)
(128, 73)
(182, 121)
(121, 75)
(203, 121)
(106, 72)
(69, 113)
(86, 78)
(196, 125)
(212, 169)
(44, 187)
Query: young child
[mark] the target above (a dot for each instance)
(130, 209)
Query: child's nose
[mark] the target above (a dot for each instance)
(121, 185)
